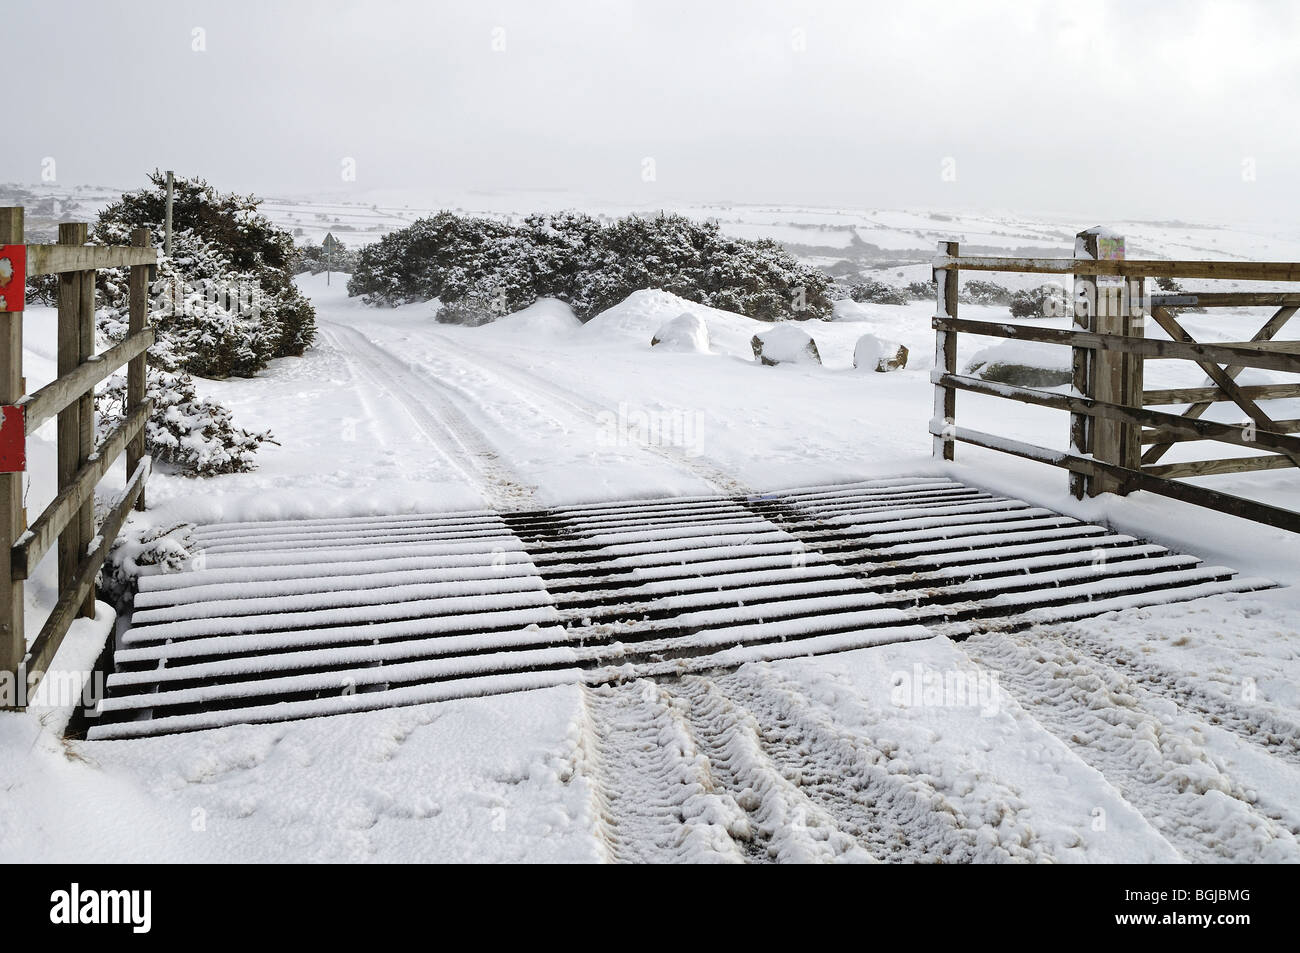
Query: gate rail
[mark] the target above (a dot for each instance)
(69, 519)
(1110, 417)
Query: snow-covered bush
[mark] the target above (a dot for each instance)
(310, 258)
(191, 433)
(877, 292)
(138, 549)
(1042, 302)
(985, 292)
(481, 269)
(223, 247)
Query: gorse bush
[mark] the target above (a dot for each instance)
(222, 304)
(1041, 302)
(191, 433)
(220, 242)
(310, 258)
(877, 292)
(482, 268)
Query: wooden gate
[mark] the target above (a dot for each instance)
(1111, 420)
(69, 520)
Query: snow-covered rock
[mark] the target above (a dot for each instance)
(686, 332)
(1023, 363)
(785, 344)
(876, 354)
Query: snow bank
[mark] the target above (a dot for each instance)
(544, 318)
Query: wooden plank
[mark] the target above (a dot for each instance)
(47, 641)
(13, 641)
(1081, 360)
(1275, 516)
(1159, 435)
(66, 389)
(1132, 267)
(1200, 468)
(1134, 370)
(1147, 347)
(86, 417)
(1107, 373)
(1212, 395)
(36, 542)
(1191, 429)
(69, 430)
(138, 286)
(63, 258)
(1244, 299)
(945, 350)
(1218, 374)
(1266, 333)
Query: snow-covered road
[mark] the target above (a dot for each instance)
(1150, 734)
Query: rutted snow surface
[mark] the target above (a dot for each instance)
(1149, 734)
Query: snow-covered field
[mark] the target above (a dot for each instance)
(1158, 734)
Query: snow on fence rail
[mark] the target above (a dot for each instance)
(69, 520)
(1110, 419)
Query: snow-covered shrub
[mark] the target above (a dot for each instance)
(922, 290)
(222, 246)
(985, 292)
(480, 269)
(877, 292)
(191, 433)
(310, 258)
(1042, 302)
(139, 549)
(412, 264)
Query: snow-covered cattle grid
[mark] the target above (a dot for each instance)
(290, 620)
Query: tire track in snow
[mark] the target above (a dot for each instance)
(746, 766)
(656, 797)
(437, 417)
(534, 385)
(1157, 761)
(874, 791)
(1273, 733)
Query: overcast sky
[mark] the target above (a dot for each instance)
(1126, 109)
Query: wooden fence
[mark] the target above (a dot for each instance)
(1111, 420)
(69, 520)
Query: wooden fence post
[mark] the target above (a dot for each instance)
(86, 428)
(1135, 314)
(945, 354)
(13, 642)
(135, 371)
(1084, 300)
(69, 428)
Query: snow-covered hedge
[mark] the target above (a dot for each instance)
(228, 301)
(481, 268)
